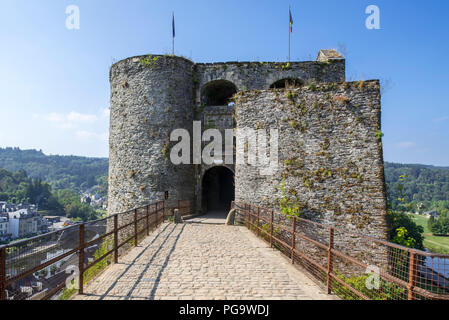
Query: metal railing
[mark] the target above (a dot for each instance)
(42, 266)
(185, 207)
(351, 265)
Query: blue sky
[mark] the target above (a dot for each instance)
(54, 84)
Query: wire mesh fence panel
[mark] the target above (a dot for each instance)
(153, 221)
(141, 223)
(311, 257)
(58, 264)
(185, 207)
(432, 275)
(351, 265)
(45, 282)
(126, 232)
(99, 247)
(35, 266)
(25, 256)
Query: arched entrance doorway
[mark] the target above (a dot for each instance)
(217, 190)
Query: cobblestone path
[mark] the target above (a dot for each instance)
(202, 261)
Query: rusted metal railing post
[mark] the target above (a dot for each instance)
(246, 215)
(153, 222)
(271, 228)
(116, 238)
(329, 259)
(293, 239)
(135, 227)
(158, 212)
(81, 260)
(412, 273)
(148, 220)
(163, 212)
(3, 273)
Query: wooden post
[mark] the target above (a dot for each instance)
(412, 273)
(271, 229)
(258, 221)
(329, 259)
(3, 273)
(148, 220)
(293, 239)
(81, 260)
(135, 227)
(116, 238)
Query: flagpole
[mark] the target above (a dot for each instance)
(173, 34)
(289, 32)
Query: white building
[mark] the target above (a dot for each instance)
(23, 223)
(4, 228)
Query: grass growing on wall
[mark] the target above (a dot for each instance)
(93, 271)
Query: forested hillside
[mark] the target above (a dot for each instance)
(13, 185)
(61, 172)
(16, 187)
(425, 187)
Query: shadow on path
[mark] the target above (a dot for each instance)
(148, 265)
(134, 261)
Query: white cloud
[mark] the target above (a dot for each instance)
(54, 117)
(72, 119)
(84, 135)
(81, 118)
(406, 144)
(441, 119)
(85, 129)
(105, 112)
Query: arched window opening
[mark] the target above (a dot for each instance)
(218, 93)
(287, 83)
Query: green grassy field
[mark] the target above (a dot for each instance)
(433, 243)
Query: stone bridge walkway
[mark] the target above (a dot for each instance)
(202, 261)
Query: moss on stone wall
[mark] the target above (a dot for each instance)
(329, 152)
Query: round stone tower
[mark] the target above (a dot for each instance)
(150, 97)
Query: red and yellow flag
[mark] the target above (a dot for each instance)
(291, 20)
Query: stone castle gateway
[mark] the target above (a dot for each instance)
(330, 151)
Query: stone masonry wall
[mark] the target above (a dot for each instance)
(261, 75)
(330, 157)
(150, 96)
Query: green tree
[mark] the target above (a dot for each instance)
(404, 231)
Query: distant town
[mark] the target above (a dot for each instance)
(21, 221)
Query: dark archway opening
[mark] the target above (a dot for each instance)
(218, 93)
(287, 83)
(218, 189)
